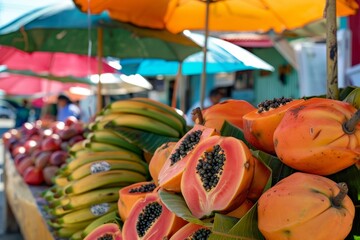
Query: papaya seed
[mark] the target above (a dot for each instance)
(147, 217)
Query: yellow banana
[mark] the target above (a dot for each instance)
(79, 225)
(110, 137)
(107, 165)
(161, 106)
(59, 211)
(90, 198)
(139, 108)
(107, 218)
(102, 120)
(94, 156)
(60, 181)
(102, 179)
(145, 124)
(78, 146)
(102, 147)
(87, 213)
(79, 154)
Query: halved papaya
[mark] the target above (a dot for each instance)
(150, 219)
(231, 110)
(192, 231)
(158, 160)
(218, 176)
(170, 174)
(260, 124)
(321, 136)
(130, 194)
(109, 231)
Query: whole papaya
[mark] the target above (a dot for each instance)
(321, 136)
(306, 206)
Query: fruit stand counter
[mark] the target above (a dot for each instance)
(25, 203)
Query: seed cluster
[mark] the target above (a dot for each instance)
(274, 103)
(147, 217)
(106, 237)
(188, 144)
(210, 167)
(201, 234)
(143, 188)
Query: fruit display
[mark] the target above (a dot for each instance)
(286, 170)
(39, 150)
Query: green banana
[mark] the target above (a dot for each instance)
(107, 165)
(101, 147)
(66, 232)
(107, 218)
(102, 120)
(94, 156)
(90, 198)
(103, 178)
(86, 214)
(77, 235)
(145, 124)
(109, 137)
(79, 225)
(151, 112)
(161, 106)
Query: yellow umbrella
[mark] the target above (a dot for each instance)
(224, 15)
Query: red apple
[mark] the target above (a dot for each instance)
(58, 157)
(43, 159)
(57, 126)
(75, 139)
(19, 149)
(25, 163)
(31, 146)
(33, 176)
(28, 129)
(47, 132)
(70, 120)
(51, 143)
(49, 172)
(67, 133)
(18, 158)
(79, 127)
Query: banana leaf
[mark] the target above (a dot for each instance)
(147, 141)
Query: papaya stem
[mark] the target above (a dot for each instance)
(197, 114)
(337, 200)
(350, 125)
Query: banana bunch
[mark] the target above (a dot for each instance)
(142, 114)
(86, 189)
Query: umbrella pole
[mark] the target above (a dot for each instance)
(203, 74)
(176, 86)
(331, 50)
(99, 66)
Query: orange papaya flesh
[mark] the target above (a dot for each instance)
(230, 110)
(130, 194)
(171, 172)
(311, 137)
(105, 231)
(150, 219)
(192, 231)
(259, 125)
(218, 176)
(305, 206)
(261, 177)
(158, 160)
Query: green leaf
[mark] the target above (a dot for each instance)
(345, 91)
(230, 130)
(246, 228)
(147, 141)
(176, 204)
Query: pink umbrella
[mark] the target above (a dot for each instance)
(13, 84)
(57, 64)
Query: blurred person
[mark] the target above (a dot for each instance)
(214, 97)
(22, 114)
(66, 108)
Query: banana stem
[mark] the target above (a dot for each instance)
(350, 125)
(337, 200)
(197, 114)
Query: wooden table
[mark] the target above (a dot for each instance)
(25, 204)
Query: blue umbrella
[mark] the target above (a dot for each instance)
(222, 56)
